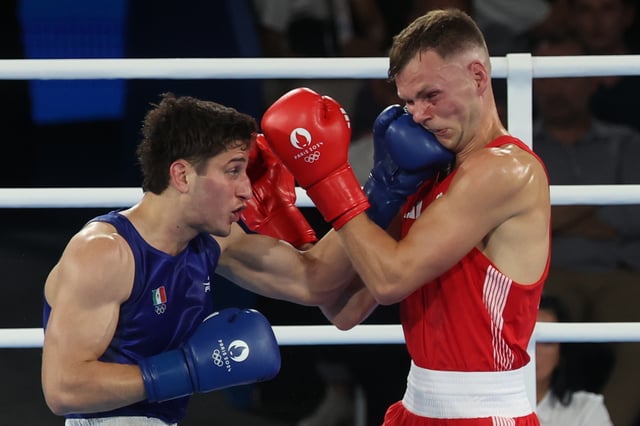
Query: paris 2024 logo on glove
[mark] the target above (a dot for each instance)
(301, 140)
(237, 351)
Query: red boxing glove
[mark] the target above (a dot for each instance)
(272, 210)
(311, 135)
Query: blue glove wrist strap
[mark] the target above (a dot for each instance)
(166, 376)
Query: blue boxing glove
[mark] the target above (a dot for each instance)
(231, 347)
(405, 155)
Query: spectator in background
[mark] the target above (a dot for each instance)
(604, 27)
(596, 248)
(579, 149)
(310, 28)
(560, 400)
(510, 26)
(320, 28)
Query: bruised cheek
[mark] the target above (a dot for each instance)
(449, 110)
(452, 112)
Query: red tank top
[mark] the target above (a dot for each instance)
(472, 317)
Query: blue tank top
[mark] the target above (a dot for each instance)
(171, 296)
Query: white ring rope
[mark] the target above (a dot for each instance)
(518, 69)
(301, 335)
(299, 68)
(122, 197)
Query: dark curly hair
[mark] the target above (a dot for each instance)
(191, 129)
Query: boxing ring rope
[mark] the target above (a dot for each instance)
(518, 69)
(298, 68)
(121, 197)
(365, 334)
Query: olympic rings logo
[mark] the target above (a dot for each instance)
(313, 157)
(160, 309)
(217, 358)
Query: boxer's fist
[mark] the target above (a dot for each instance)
(272, 209)
(405, 155)
(311, 135)
(229, 348)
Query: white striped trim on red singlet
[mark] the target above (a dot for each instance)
(494, 296)
(503, 421)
